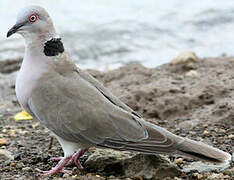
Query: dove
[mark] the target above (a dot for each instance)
(78, 110)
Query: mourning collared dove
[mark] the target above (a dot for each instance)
(78, 109)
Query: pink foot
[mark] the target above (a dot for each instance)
(56, 158)
(58, 168)
(63, 161)
(76, 157)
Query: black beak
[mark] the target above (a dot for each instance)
(15, 28)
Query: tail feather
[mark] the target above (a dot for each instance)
(202, 151)
(161, 141)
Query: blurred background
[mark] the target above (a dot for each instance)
(105, 33)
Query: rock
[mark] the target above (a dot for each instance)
(12, 164)
(3, 142)
(206, 133)
(197, 175)
(74, 176)
(26, 169)
(65, 175)
(205, 167)
(20, 165)
(189, 124)
(215, 176)
(101, 158)
(229, 172)
(231, 136)
(131, 164)
(149, 167)
(185, 57)
(191, 73)
(178, 161)
(6, 155)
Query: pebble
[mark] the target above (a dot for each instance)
(231, 136)
(65, 175)
(11, 132)
(206, 133)
(20, 165)
(12, 165)
(192, 73)
(26, 169)
(6, 155)
(184, 58)
(179, 161)
(138, 177)
(23, 132)
(3, 141)
(74, 176)
(176, 178)
(35, 125)
(215, 176)
(222, 130)
(197, 175)
(229, 172)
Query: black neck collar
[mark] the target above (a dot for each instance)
(53, 47)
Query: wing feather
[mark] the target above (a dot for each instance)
(76, 110)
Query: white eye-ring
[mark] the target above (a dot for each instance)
(32, 18)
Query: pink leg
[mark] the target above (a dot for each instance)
(58, 168)
(76, 157)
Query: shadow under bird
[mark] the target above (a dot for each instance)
(78, 109)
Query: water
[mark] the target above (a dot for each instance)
(105, 33)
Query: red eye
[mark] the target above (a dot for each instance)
(32, 18)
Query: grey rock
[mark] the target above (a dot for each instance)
(204, 167)
(101, 158)
(131, 164)
(19, 165)
(189, 124)
(26, 169)
(185, 58)
(150, 167)
(6, 155)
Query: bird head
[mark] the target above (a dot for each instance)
(33, 22)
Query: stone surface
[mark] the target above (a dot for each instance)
(205, 167)
(101, 158)
(131, 165)
(185, 58)
(5, 155)
(3, 141)
(191, 73)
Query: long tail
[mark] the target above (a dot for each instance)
(161, 141)
(202, 151)
(187, 147)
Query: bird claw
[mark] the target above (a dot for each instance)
(56, 158)
(63, 161)
(73, 160)
(53, 171)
